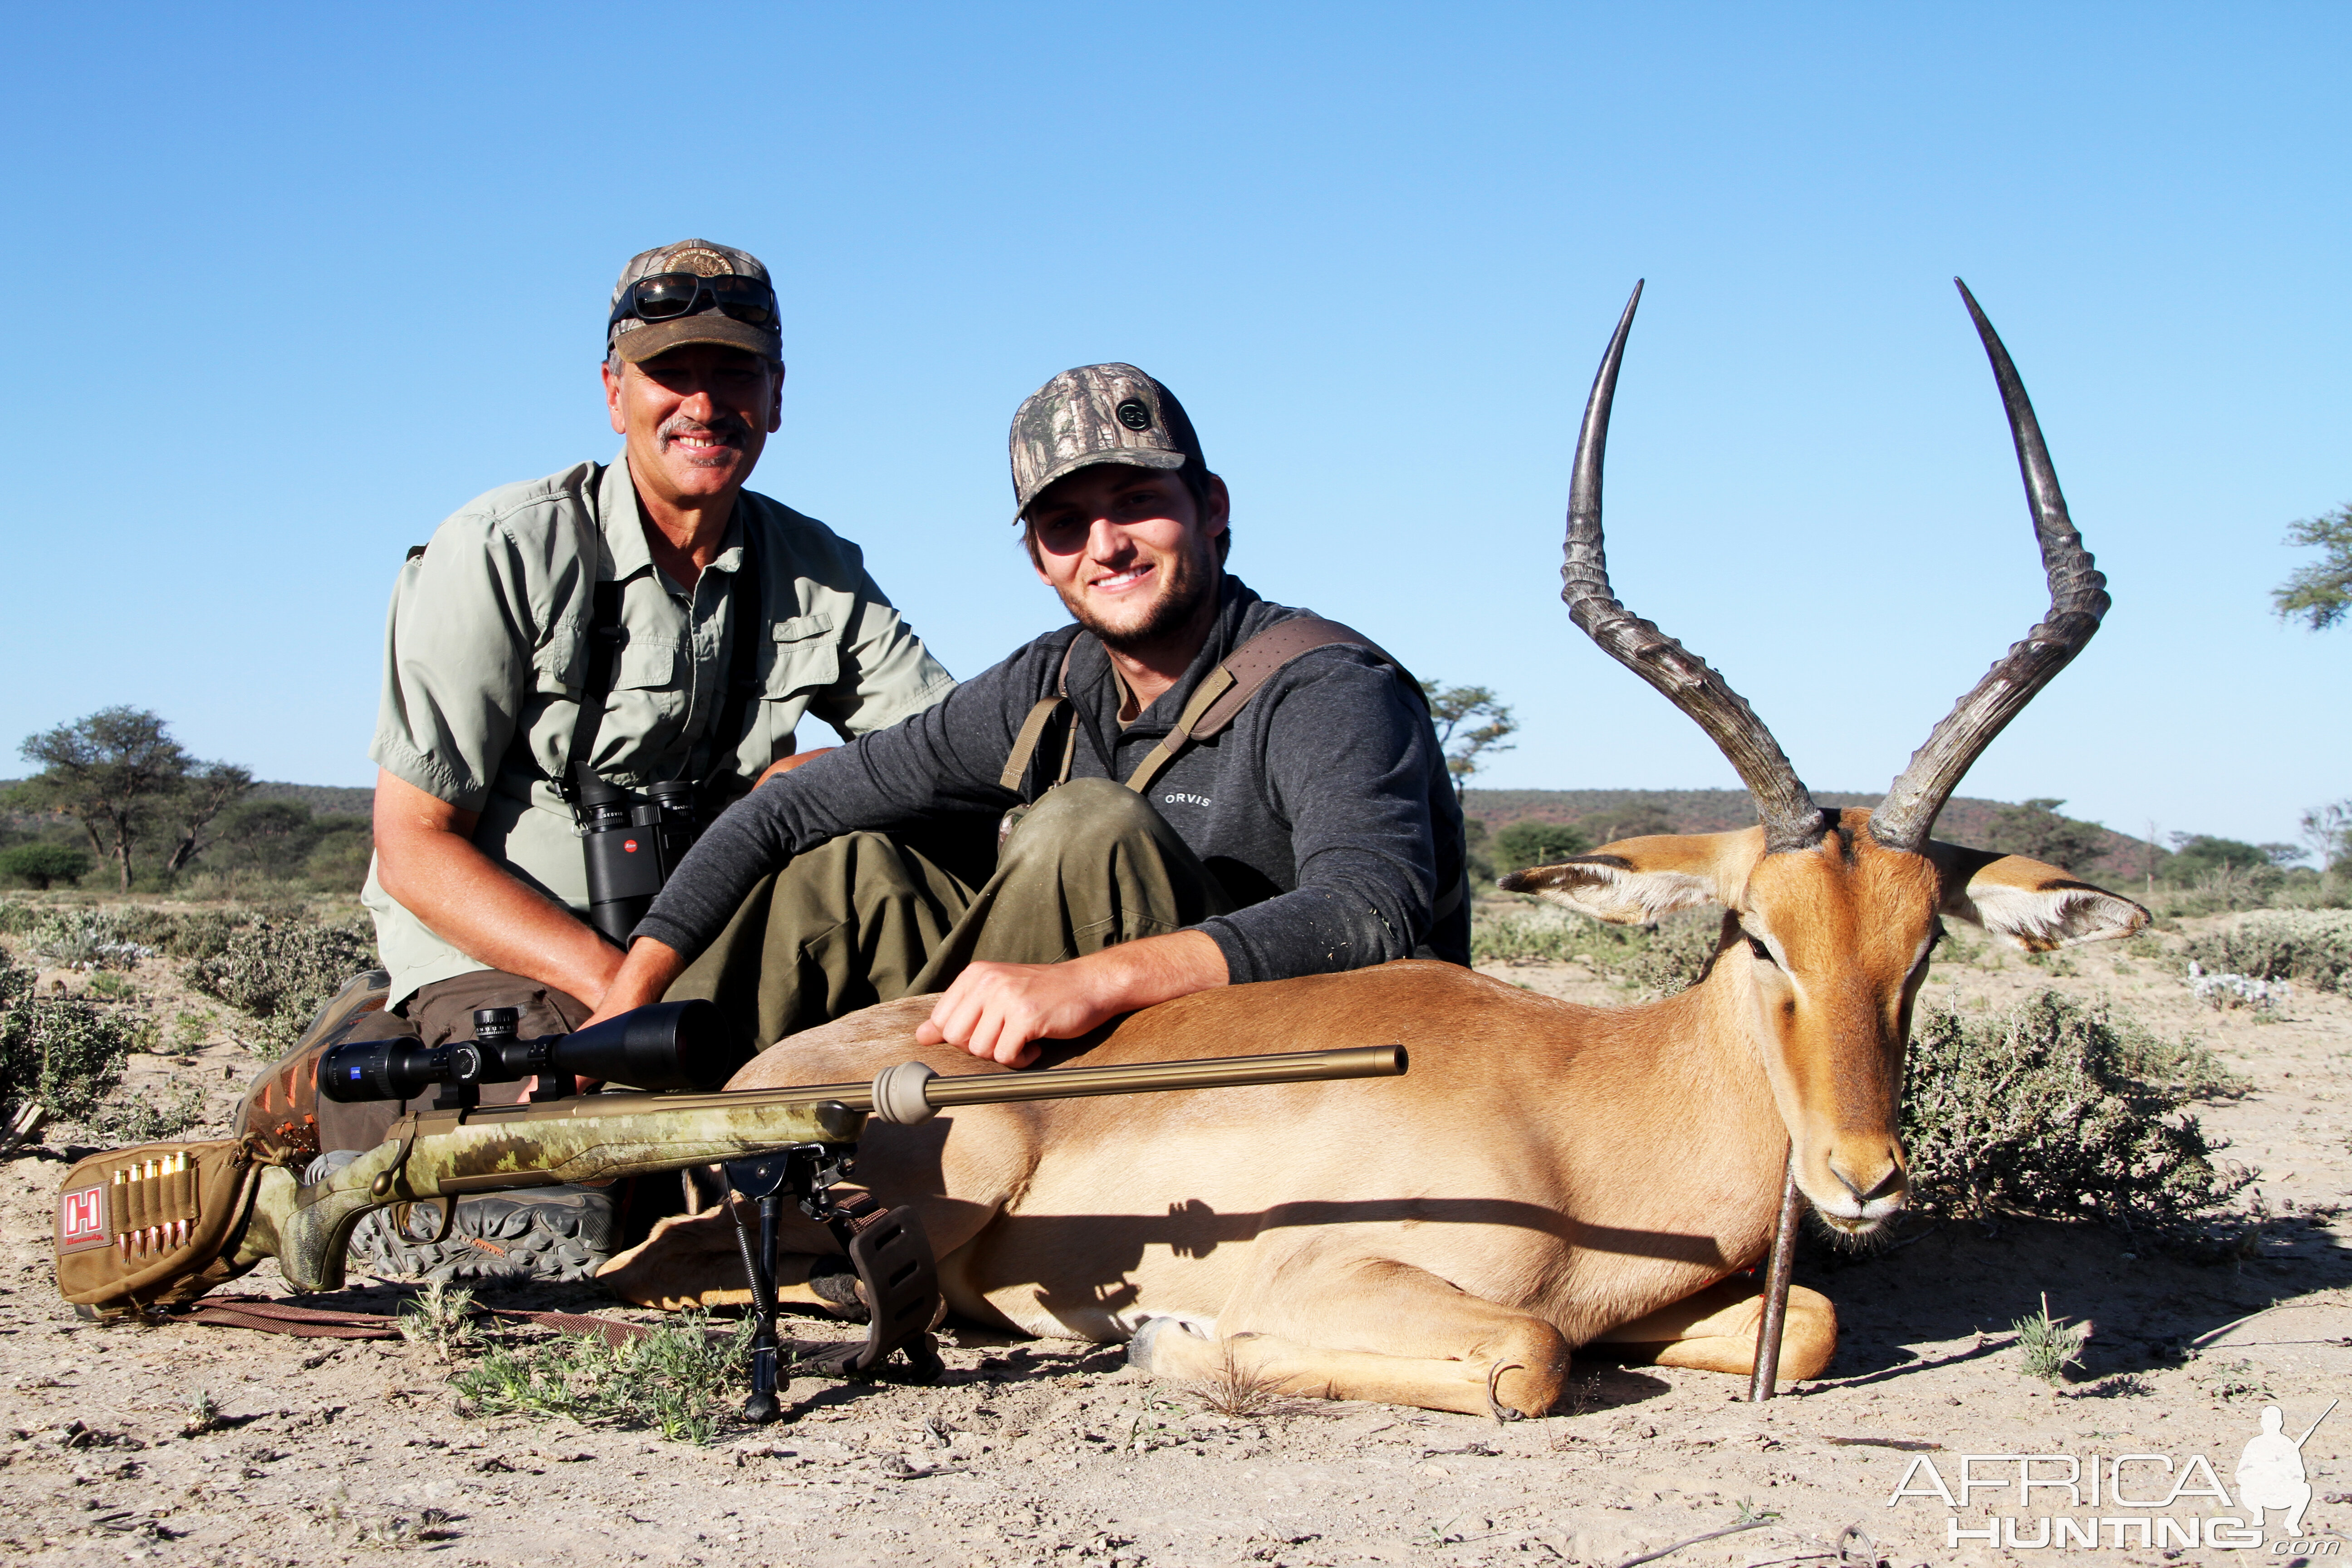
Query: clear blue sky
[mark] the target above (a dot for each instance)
(298, 282)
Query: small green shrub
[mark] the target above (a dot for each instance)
(2047, 1346)
(150, 1118)
(282, 972)
(1666, 958)
(44, 865)
(2036, 1112)
(680, 1379)
(85, 939)
(2314, 945)
(1529, 842)
(66, 1055)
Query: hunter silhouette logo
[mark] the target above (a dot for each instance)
(2270, 1471)
(2067, 1501)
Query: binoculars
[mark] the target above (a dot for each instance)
(668, 1046)
(631, 846)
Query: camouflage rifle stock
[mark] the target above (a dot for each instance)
(448, 1154)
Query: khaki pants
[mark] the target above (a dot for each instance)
(867, 918)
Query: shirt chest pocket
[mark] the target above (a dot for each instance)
(649, 663)
(806, 657)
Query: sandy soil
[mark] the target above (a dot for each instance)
(1053, 1453)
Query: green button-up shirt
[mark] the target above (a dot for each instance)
(486, 654)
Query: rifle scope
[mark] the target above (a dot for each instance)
(668, 1046)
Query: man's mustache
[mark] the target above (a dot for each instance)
(728, 429)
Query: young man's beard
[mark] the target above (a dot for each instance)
(1192, 577)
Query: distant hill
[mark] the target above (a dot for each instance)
(1965, 820)
(324, 800)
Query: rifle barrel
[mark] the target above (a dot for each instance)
(1148, 1078)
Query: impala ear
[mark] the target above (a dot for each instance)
(1635, 880)
(2037, 906)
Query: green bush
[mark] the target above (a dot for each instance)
(150, 1118)
(66, 1055)
(340, 863)
(85, 939)
(1666, 958)
(2314, 945)
(43, 865)
(681, 1379)
(282, 972)
(2036, 1112)
(1531, 843)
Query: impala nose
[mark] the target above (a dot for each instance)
(1887, 1187)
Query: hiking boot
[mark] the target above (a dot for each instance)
(535, 1233)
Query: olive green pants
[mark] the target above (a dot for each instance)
(866, 919)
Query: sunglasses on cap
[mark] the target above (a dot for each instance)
(667, 296)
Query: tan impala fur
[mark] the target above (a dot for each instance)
(1546, 1177)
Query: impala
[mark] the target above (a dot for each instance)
(1547, 1175)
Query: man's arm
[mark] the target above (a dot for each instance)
(426, 862)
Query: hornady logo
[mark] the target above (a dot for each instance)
(84, 1214)
(1181, 798)
(2068, 1500)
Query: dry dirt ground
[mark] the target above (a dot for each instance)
(1053, 1453)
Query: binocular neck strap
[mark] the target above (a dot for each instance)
(607, 635)
(606, 638)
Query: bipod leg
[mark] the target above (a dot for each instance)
(762, 1181)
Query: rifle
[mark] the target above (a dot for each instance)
(176, 1219)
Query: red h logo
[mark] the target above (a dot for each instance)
(84, 1216)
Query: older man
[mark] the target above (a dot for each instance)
(603, 631)
(1284, 807)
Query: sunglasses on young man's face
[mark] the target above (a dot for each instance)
(667, 296)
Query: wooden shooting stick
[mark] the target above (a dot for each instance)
(1776, 1288)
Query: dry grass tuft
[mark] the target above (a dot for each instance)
(1236, 1391)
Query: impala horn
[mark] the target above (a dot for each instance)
(1791, 820)
(2078, 598)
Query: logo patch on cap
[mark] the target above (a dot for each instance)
(701, 263)
(1134, 415)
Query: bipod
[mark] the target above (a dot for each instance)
(886, 1247)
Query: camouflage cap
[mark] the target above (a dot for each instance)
(637, 342)
(1097, 414)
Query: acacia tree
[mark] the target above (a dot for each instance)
(2320, 592)
(119, 774)
(1470, 722)
(2329, 830)
(2035, 830)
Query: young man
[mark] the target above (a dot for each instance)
(649, 621)
(1312, 831)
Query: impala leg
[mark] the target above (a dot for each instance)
(1384, 1331)
(1714, 1331)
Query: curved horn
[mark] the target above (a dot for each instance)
(2078, 597)
(1790, 820)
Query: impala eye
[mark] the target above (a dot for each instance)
(1760, 951)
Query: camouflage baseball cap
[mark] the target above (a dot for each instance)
(639, 341)
(1097, 414)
